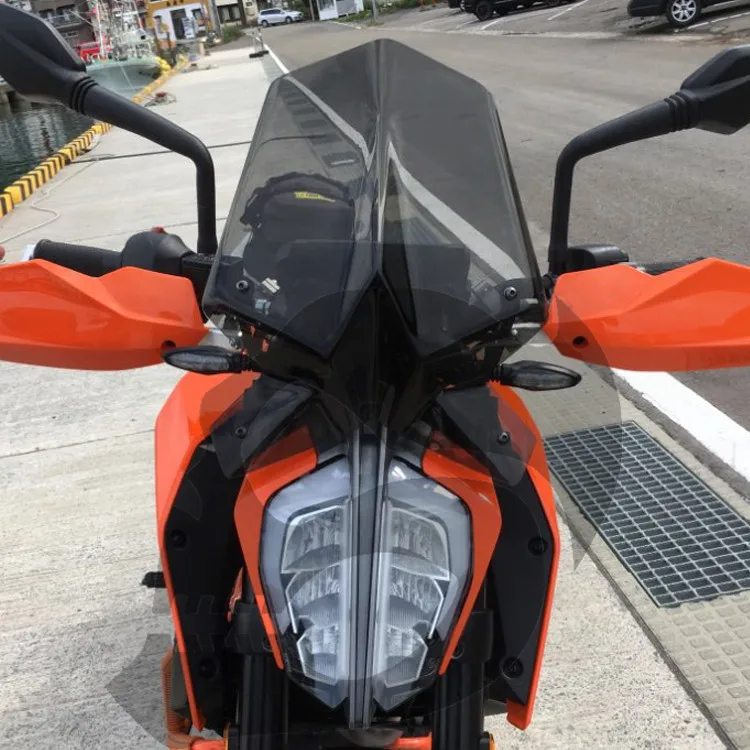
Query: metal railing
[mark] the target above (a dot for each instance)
(61, 20)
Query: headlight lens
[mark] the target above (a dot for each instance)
(313, 551)
(306, 564)
(424, 567)
(420, 563)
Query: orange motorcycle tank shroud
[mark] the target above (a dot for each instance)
(232, 449)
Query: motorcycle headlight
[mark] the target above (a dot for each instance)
(420, 563)
(425, 550)
(306, 560)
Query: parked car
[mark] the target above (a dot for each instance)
(273, 16)
(679, 13)
(485, 9)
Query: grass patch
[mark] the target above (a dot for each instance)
(230, 33)
(363, 15)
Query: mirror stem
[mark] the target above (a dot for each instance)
(95, 101)
(677, 112)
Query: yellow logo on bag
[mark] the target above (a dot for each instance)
(303, 195)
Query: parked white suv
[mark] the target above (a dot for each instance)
(272, 16)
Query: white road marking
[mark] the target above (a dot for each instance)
(561, 34)
(276, 59)
(518, 16)
(492, 23)
(714, 430)
(445, 17)
(719, 19)
(548, 34)
(567, 10)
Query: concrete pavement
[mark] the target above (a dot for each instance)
(80, 642)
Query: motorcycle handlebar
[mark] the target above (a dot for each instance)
(152, 251)
(166, 253)
(91, 261)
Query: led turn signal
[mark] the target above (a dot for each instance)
(207, 360)
(537, 376)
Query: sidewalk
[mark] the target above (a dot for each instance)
(81, 640)
(104, 203)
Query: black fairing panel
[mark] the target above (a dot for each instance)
(204, 557)
(519, 577)
(201, 542)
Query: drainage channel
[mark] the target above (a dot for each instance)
(679, 539)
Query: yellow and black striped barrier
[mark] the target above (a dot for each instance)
(23, 187)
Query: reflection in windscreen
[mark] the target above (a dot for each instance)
(311, 287)
(358, 168)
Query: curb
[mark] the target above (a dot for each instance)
(24, 186)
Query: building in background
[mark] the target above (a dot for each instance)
(69, 17)
(176, 22)
(237, 11)
(330, 9)
(21, 4)
(229, 11)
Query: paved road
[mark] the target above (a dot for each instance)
(679, 196)
(581, 19)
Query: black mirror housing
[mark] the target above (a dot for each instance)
(38, 63)
(728, 65)
(51, 71)
(715, 98)
(722, 88)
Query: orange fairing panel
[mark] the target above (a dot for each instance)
(54, 317)
(693, 318)
(510, 403)
(283, 463)
(185, 421)
(465, 477)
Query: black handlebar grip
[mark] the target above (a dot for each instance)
(655, 269)
(91, 261)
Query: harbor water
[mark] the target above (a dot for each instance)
(30, 133)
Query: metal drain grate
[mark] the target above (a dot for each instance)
(676, 536)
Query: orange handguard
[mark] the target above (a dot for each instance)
(693, 318)
(54, 317)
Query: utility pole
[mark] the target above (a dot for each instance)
(215, 17)
(312, 11)
(374, 10)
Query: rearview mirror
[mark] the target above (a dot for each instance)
(722, 88)
(727, 65)
(715, 98)
(37, 62)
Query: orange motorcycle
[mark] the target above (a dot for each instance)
(356, 522)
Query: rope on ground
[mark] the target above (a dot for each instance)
(41, 195)
(160, 97)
